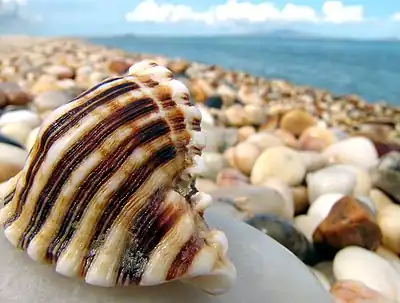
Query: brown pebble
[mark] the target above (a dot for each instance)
(18, 98)
(178, 66)
(296, 121)
(349, 222)
(118, 66)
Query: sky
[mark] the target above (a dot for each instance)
(346, 18)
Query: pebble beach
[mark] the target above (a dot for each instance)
(317, 172)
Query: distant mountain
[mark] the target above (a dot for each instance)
(282, 34)
(287, 33)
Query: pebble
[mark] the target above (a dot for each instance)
(237, 116)
(51, 100)
(219, 139)
(253, 200)
(359, 151)
(363, 180)
(389, 223)
(228, 209)
(243, 156)
(286, 192)
(313, 160)
(264, 140)
(13, 94)
(379, 198)
(300, 199)
(214, 102)
(333, 179)
(212, 164)
(283, 232)
(254, 114)
(349, 222)
(61, 72)
(349, 291)
(297, 121)
(205, 185)
(3, 99)
(21, 116)
(12, 160)
(43, 84)
(119, 66)
(17, 131)
(323, 205)
(316, 138)
(287, 138)
(198, 88)
(178, 66)
(10, 141)
(279, 162)
(245, 132)
(359, 264)
(387, 175)
(390, 256)
(306, 224)
(231, 177)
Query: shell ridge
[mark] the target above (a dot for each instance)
(185, 257)
(135, 257)
(166, 251)
(134, 198)
(163, 95)
(131, 146)
(49, 136)
(73, 158)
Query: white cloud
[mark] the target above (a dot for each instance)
(14, 2)
(236, 10)
(337, 12)
(396, 17)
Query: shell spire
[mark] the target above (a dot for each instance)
(107, 192)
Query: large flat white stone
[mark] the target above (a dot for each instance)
(267, 272)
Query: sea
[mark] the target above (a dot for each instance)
(370, 69)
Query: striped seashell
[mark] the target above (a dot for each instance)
(107, 193)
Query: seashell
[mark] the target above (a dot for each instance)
(107, 193)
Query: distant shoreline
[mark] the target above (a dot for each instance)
(92, 41)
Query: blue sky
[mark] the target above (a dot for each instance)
(347, 18)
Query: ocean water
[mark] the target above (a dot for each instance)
(370, 69)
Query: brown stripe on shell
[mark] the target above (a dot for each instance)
(185, 257)
(74, 157)
(196, 150)
(186, 99)
(163, 93)
(99, 177)
(92, 89)
(57, 129)
(174, 114)
(147, 81)
(176, 120)
(196, 124)
(119, 199)
(151, 224)
(9, 197)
